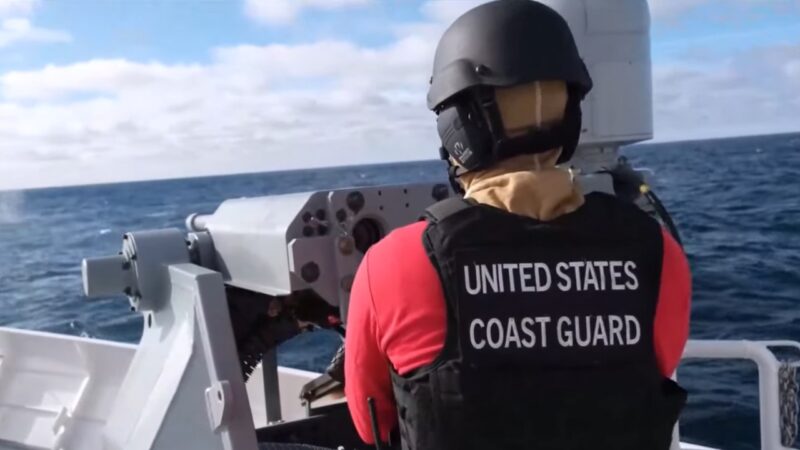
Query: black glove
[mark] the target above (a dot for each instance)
(335, 369)
(331, 380)
(312, 310)
(627, 181)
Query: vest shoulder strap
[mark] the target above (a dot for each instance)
(446, 208)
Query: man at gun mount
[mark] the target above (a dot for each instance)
(525, 314)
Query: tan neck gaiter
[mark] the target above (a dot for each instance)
(528, 185)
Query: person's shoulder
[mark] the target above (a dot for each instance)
(399, 255)
(412, 229)
(400, 239)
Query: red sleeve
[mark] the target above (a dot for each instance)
(366, 368)
(671, 328)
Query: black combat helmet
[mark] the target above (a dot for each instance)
(501, 44)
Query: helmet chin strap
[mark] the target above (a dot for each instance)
(452, 176)
(453, 172)
(564, 135)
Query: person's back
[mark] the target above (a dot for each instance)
(527, 316)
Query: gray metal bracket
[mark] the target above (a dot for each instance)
(272, 391)
(186, 363)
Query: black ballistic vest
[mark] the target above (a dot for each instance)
(525, 363)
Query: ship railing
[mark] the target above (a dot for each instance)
(777, 385)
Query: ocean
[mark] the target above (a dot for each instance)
(736, 202)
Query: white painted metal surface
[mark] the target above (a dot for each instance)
(291, 382)
(57, 391)
(768, 390)
(613, 37)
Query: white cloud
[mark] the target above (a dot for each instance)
(792, 69)
(15, 27)
(445, 12)
(671, 8)
(17, 30)
(280, 12)
(669, 11)
(437, 16)
(17, 7)
(251, 108)
(109, 76)
(752, 92)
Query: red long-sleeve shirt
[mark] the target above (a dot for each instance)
(397, 316)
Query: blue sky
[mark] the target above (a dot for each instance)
(112, 90)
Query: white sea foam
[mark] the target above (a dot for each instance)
(11, 207)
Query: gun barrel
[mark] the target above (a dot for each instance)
(106, 275)
(197, 222)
